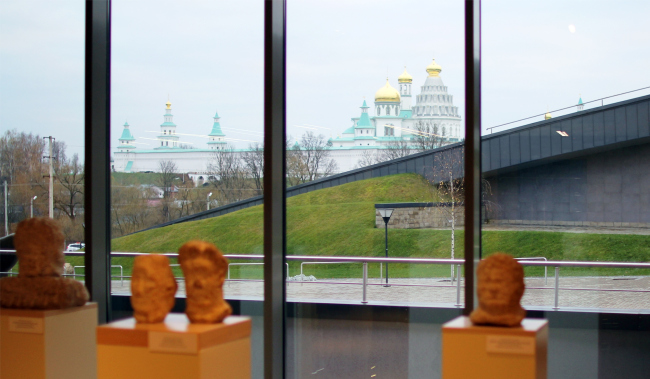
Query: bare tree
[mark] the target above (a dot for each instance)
(21, 166)
(309, 159)
(130, 210)
(228, 176)
(448, 177)
(397, 148)
(254, 163)
(426, 136)
(165, 179)
(21, 157)
(69, 182)
(368, 158)
(189, 200)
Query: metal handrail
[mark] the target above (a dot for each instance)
(537, 259)
(74, 270)
(533, 261)
(248, 264)
(312, 258)
(565, 108)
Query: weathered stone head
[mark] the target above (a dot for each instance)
(205, 269)
(39, 247)
(500, 288)
(39, 285)
(152, 288)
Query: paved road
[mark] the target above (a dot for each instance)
(575, 292)
(568, 229)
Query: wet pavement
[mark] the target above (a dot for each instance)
(620, 293)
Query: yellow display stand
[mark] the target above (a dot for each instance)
(470, 351)
(48, 344)
(174, 349)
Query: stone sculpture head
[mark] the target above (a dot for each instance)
(153, 288)
(205, 269)
(39, 247)
(500, 288)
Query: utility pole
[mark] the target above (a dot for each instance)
(6, 214)
(51, 176)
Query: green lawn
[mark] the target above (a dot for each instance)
(340, 221)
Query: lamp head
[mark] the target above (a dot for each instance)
(385, 213)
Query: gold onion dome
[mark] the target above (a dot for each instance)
(387, 93)
(547, 116)
(405, 77)
(434, 69)
(169, 104)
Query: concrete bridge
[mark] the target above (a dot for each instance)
(596, 172)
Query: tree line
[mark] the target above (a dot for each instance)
(167, 194)
(135, 205)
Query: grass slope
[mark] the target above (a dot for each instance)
(340, 221)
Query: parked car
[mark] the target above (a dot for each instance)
(75, 246)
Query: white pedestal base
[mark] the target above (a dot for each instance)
(471, 351)
(174, 349)
(48, 344)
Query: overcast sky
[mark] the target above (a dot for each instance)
(208, 56)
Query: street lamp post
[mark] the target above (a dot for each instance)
(385, 214)
(31, 212)
(210, 194)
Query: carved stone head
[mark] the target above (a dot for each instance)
(153, 288)
(500, 288)
(39, 247)
(205, 269)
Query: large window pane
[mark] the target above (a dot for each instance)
(567, 183)
(42, 96)
(187, 132)
(375, 125)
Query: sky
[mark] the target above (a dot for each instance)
(207, 56)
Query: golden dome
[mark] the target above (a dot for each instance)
(547, 116)
(169, 104)
(405, 77)
(434, 69)
(387, 93)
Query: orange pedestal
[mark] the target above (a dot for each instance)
(48, 344)
(174, 349)
(470, 351)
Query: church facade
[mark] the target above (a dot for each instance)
(396, 120)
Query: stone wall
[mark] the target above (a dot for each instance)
(421, 215)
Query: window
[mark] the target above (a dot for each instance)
(591, 192)
(597, 345)
(36, 50)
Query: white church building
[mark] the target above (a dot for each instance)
(395, 119)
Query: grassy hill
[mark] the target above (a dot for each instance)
(340, 221)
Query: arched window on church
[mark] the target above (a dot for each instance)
(378, 112)
(443, 131)
(388, 110)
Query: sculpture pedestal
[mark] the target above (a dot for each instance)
(174, 349)
(471, 351)
(48, 343)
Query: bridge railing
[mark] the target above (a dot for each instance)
(532, 262)
(555, 112)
